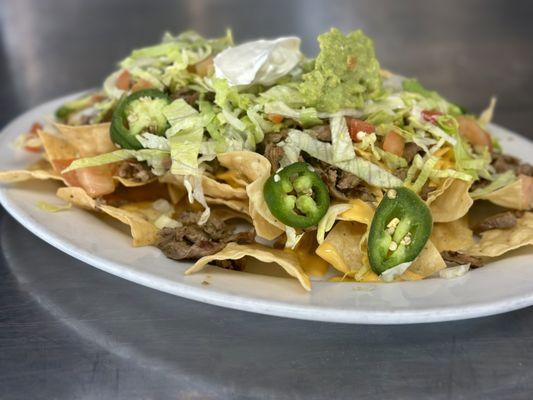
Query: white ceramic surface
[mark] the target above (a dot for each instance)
(504, 285)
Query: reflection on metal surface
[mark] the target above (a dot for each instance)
(209, 352)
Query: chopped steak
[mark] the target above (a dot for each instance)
(504, 162)
(410, 150)
(135, 171)
(426, 190)
(504, 220)
(342, 185)
(193, 241)
(454, 257)
(400, 173)
(272, 152)
(190, 96)
(525, 169)
(321, 132)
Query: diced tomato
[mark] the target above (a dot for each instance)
(71, 178)
(204, 67)
(32, 143)
(430, 116)
(96, 181)
(123, 81)
(33, 149)
(140, 85)
(394, 143)
(36, 127)
(358, 125)
(473, 133)
(275, 118)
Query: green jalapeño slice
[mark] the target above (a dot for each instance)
(400, 229)
(140, 112)
(297, 196)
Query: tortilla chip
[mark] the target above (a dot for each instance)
(131, 182)
(224, 213)
(258, 169)
(517, 195)
(56, 147)
(428, 262)
(445, 184)
(143, 231)
(24, 175)
(244, 164)
(77, 196)
(236, 204)
(452, 236)
(342, 248)
(88, 140)
(210, 186)
(453, 202)
(233, 251)
(176, 193)
(499, 241)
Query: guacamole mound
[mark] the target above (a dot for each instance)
(345, 74)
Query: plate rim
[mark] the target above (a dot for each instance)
(238, 302)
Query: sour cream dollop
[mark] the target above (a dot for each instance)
(260, 61)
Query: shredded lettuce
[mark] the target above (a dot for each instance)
(150, 141)
(486, 115)
(433, 99)
(367, 171)
(499, 181)
(154, 158)
(342, 145)
(424, 174)
(195, 191)
(327, 221)
(306, 116)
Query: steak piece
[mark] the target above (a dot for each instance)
(321, 132)
(192, 241)
(410, 150)
(504, 220)
(342, 185)
(457, 258)
(504, 163)
(190, 96)
(272, 151)
(135, 171)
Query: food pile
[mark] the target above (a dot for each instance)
(327, 166)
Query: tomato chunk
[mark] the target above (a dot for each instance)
(394, 143)
(123, 80)
(430, 116)
(356, 125)
(473, 133)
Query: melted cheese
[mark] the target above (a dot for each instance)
(309, 261)
(360, 212)
(232, 178)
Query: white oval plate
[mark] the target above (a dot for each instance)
(504, 285)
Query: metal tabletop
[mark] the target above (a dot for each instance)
(69, 331)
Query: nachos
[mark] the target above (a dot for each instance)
(329, 166)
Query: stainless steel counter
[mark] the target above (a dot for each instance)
(69, 331)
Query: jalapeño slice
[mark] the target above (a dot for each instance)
(297, 196)
(140, 112)
(399, 231)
